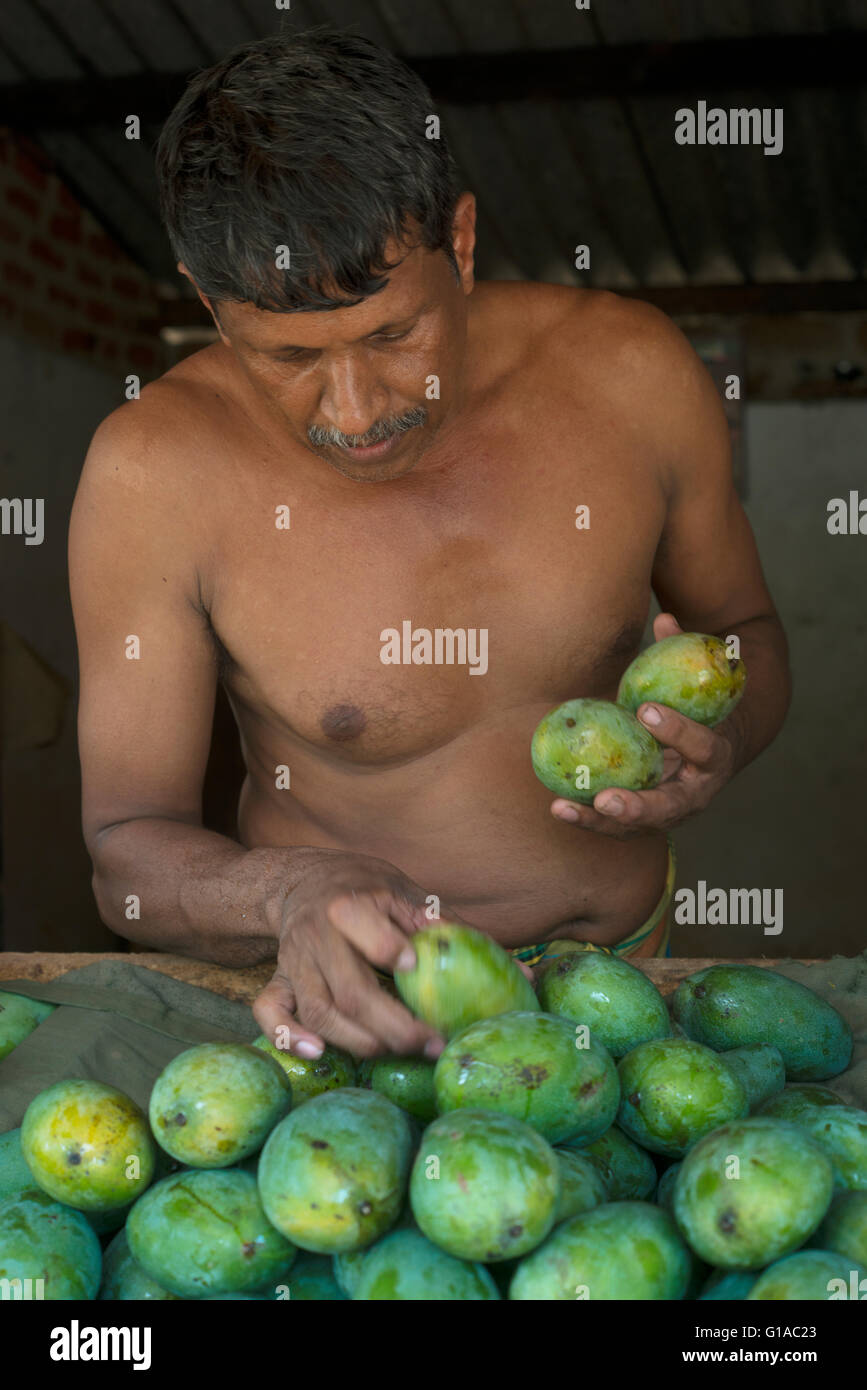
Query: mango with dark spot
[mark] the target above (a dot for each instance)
(627, 1170)
(310, 1076)
(216, 1104)
(536, 1067)
(674, 1091)
(484, 1186)
(41, 1239)
(727, 1006)
(88, 1145)
(405, 1081)
(333, 1173)
(19, 1016)
(619, 1004)
(690, 672)
(814, 1276)
(619, 1251)
(204, 1231)
(461, 975)
(407, 1267)
(584, 746)
(751, 1192)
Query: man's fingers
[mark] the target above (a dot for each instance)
(274, 1011)
(665, 625)
(694, 742)
(362, 918)
(359, 995)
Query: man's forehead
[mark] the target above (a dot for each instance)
(400, 298)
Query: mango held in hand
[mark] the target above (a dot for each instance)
(584, 746)
(88, 1145)
(461, 975)
(535, 1067)
(690, 673)
(310, 1076)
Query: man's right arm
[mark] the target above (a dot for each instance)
(147, 688)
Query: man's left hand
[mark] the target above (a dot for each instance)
(697, 763)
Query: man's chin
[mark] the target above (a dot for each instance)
(376, 465)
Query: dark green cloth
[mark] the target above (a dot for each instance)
(122, 1024)
(117, 1023)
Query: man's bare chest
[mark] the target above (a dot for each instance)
(383, 626)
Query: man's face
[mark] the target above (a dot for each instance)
(354, 386)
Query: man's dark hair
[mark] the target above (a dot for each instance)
(315, 142)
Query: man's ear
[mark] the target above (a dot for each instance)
(464, 239)
(206, 301)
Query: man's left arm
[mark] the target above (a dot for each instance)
(708, 578)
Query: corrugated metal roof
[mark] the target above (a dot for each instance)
(549, 174)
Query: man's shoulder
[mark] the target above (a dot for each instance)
(167, 427)
(561, 325)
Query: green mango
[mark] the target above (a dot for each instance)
(405, 1266)
(793, 1102)
(216, 1104)
(728, 1006)
(841, 1132)
(581, 1185)
(673, 1092)
(627, 1170)
(123, 1279)
(584, 746)
(347, 1269)
(759, 1068)
(729, 1284)
(312, 1280)
(844, 1228)
(203, 1231)
(484, 1186)
(665, 1188)
(461, 975)
(19, 1016)
(812, 1276)
(333, 1174)
(405, 1081)
(530, 1065)
(751, 1191)
(310, 1076)
(689, 672)
(79, 1139)
(623, 1250)
(41, 1239)
(618, 1003)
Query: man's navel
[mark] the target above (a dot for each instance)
(343, 722)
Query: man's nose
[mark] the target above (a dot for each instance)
(352, 399)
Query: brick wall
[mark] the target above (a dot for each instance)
(62, 280)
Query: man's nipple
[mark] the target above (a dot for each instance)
(343, 722)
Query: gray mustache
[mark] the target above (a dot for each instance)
(319, 436)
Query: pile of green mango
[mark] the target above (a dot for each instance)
(584, 745)
(573, 1141)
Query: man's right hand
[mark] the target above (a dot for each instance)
(347, 913)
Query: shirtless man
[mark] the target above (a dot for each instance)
(452, 510)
